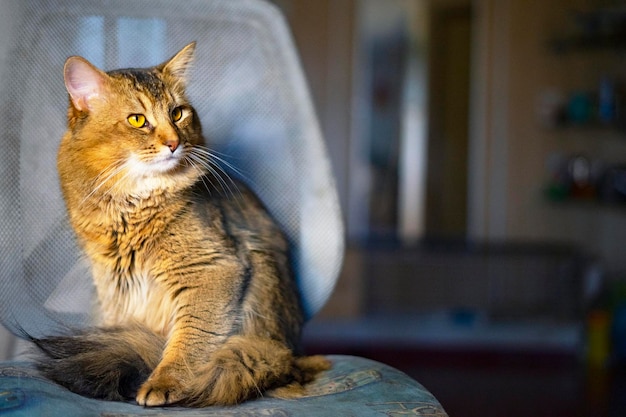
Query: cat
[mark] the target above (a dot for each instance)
(196, 299)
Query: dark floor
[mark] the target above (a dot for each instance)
(511, 384)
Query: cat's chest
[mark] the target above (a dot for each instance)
(123, 246)
(133, 294)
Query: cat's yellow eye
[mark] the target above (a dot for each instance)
(177, 114)
(137, 120)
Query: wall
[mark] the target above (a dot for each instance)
(449, 82)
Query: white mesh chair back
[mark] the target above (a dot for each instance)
(247, 87)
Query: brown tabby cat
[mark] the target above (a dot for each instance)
(197, 303)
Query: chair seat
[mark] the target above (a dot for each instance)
(354, 386)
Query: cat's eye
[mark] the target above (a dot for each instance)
(177, 114)
(137, 120)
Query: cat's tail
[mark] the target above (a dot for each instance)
(247, 367)
(108, 363)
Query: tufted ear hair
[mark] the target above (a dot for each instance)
(84, 82)
(179, 65)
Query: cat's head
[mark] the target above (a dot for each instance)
(134, 125)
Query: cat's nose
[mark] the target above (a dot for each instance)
(172, 144)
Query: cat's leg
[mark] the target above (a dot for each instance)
(185, 351)
(246, 367)
(204, 320)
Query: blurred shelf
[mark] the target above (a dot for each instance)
(599, 29)
(589, 43)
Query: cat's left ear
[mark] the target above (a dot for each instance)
(180, 64)
(84, 82)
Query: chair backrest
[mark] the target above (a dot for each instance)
(251, 95)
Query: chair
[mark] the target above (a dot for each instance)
(256, 111)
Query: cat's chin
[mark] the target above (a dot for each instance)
(162, 172)
(161, 164)
(164, 166)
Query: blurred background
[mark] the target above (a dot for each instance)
(479, 149)
(480, 154)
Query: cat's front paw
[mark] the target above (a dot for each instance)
(162, 389)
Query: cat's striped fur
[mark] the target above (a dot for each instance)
(196, 300)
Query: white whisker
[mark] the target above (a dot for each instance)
(119, 183)
(190, 162)
(213, 155)
(218, 173)
(211, 163)
(110, 172)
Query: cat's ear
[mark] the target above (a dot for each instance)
(180, 64)
(84, 82)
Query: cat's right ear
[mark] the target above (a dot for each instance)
(84, 82)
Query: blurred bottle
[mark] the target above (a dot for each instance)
(606, 100)
(580, 108)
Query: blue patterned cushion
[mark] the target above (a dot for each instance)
(354, 386)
